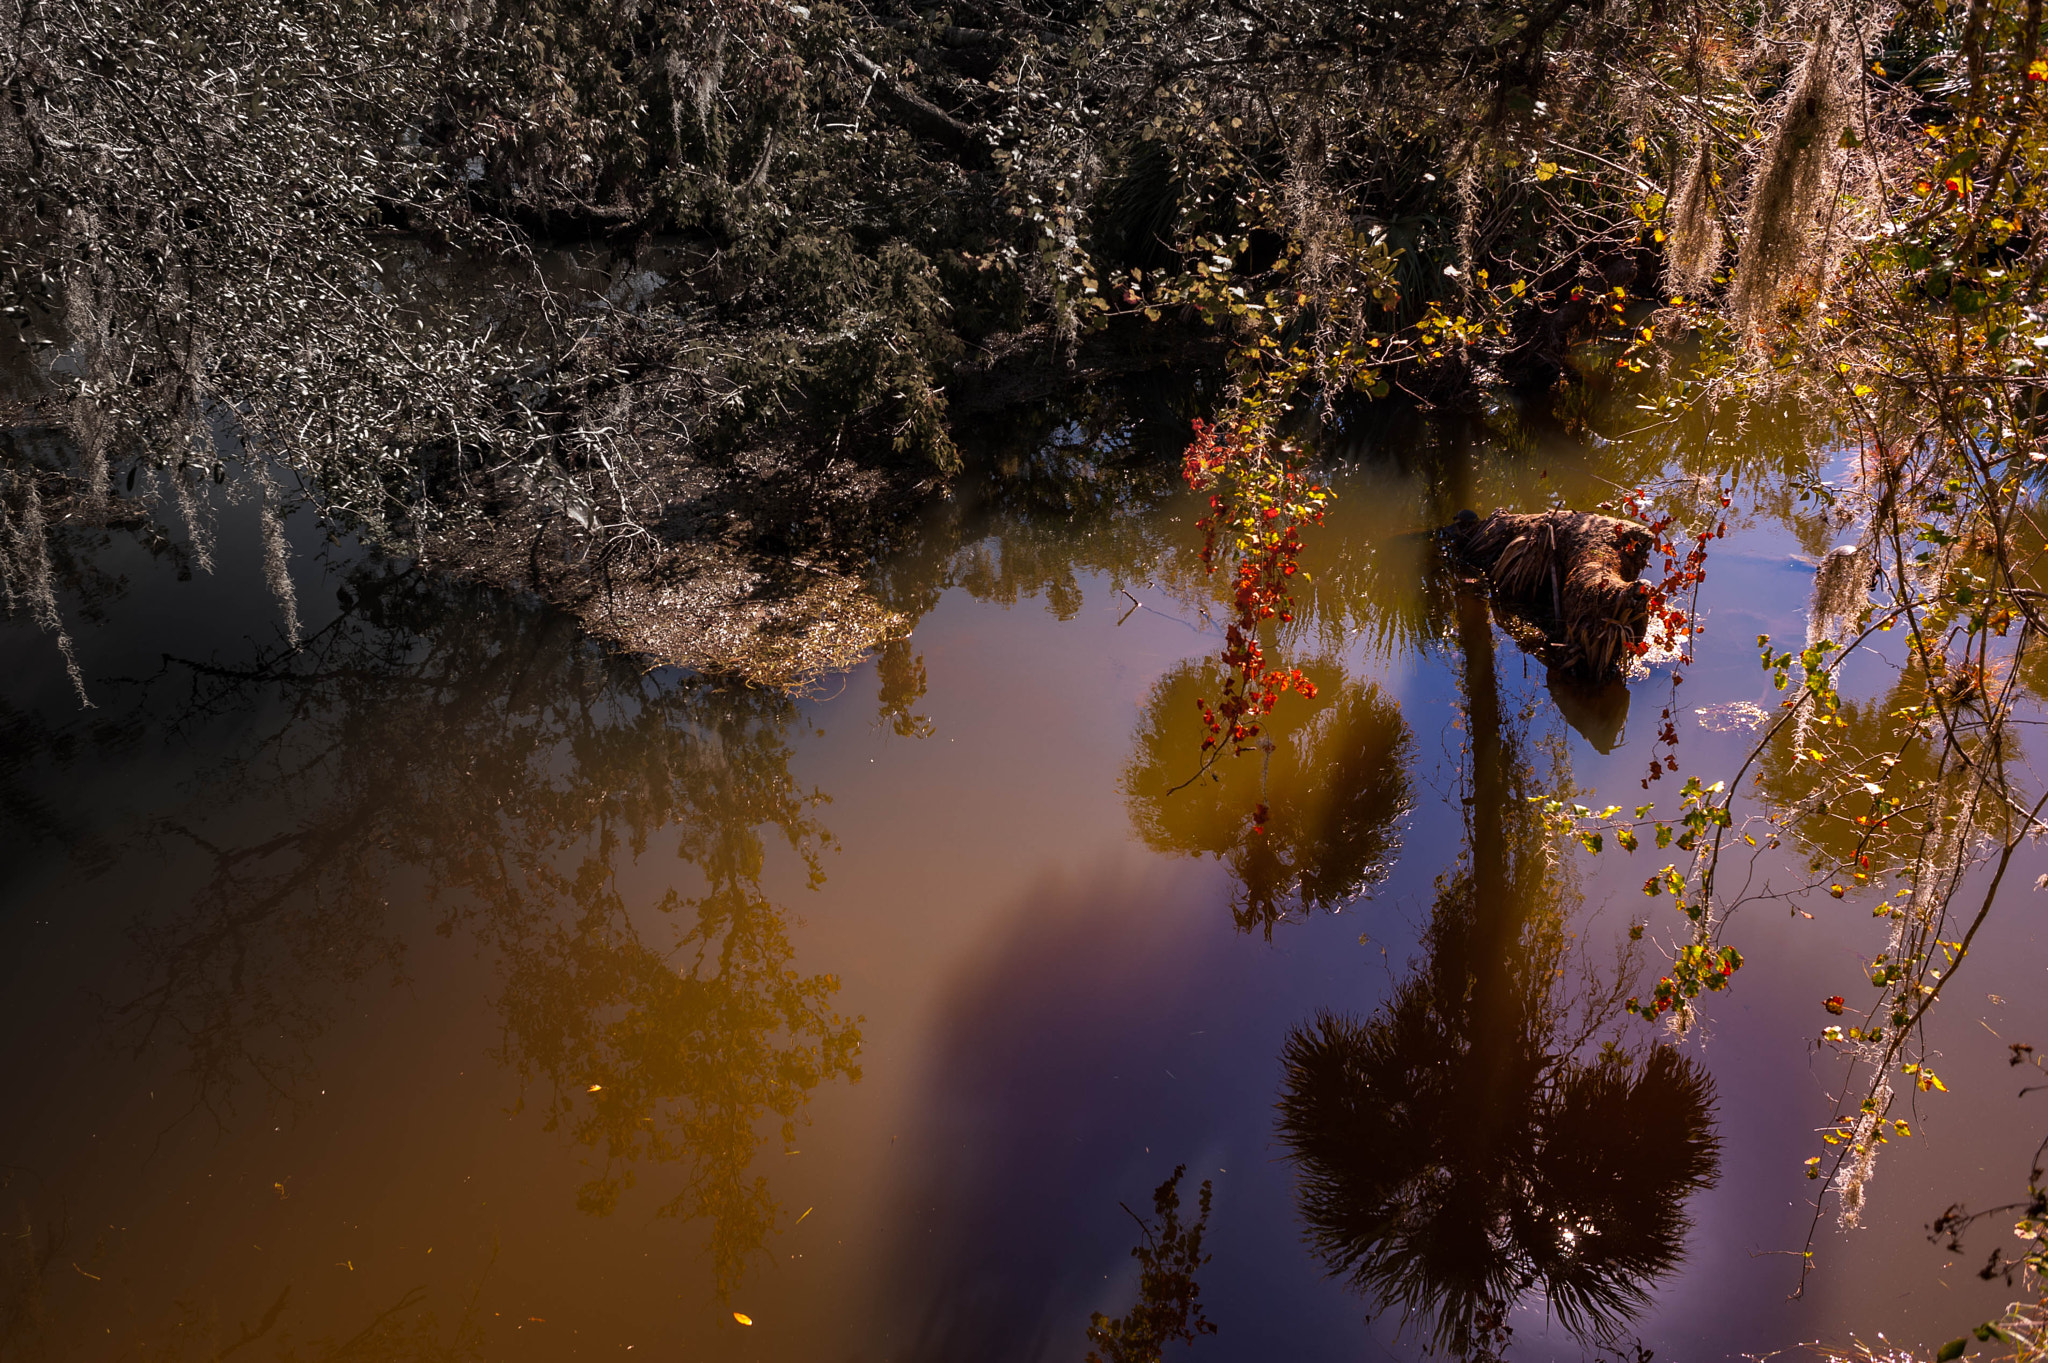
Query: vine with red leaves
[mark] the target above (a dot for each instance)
(1258, 503)
(1683, 573)
(1672, 626)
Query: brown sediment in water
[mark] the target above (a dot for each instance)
(1579, 572)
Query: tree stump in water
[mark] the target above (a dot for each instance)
(1575, 572)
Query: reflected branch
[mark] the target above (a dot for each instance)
(1169, 1305)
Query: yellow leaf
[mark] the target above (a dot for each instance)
(742, 1319)
(593, 1088)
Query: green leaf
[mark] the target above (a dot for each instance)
(1951, 1350)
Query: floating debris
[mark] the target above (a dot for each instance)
(1737, 716)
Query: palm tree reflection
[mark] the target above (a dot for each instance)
(1457, 1151)
(1333, 791)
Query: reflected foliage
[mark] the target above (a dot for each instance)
(521, 773)
(1308, 827)
(1457, 1151)
(1862, 834)
(1375, 572)
(655, 1062)
(900, 672)
(1450, 1188)
(1070, 494)
(1169, 1305)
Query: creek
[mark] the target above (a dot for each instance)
(452, 988)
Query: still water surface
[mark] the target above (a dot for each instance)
(450, 989)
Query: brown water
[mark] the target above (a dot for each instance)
(449, 989)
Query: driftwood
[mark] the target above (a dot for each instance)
(1574, 574)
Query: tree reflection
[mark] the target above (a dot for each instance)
(1457, 1151)
(654, 1062)
(524, 773)
(1310, 825)
(901, 677)
(1169, 1301)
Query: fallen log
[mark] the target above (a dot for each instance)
(1574, 574)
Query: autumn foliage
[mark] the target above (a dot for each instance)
(1258, 502)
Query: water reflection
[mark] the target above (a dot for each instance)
(1859, 832)
(1597, 709)
(41, 1256)
(900, 671)
(1310, 825)
(1458, 1151)
(1045, 518)
(527, 778)
(451, 742)
(1169, 1304)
